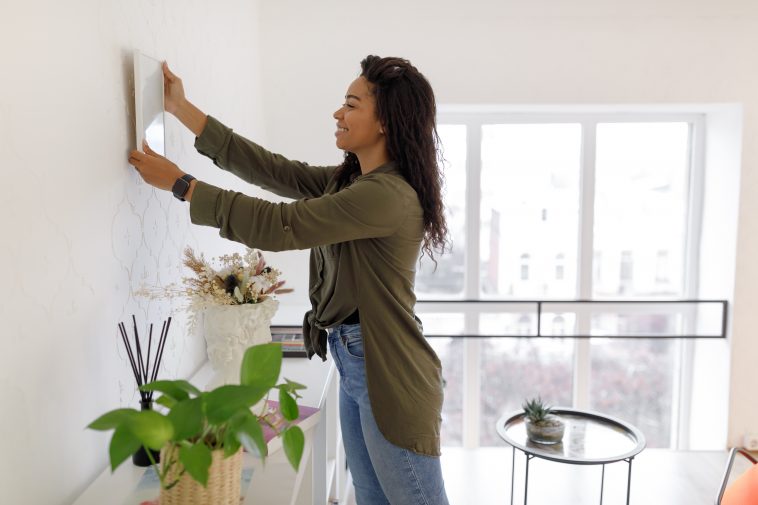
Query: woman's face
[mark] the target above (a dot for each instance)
(358, 129)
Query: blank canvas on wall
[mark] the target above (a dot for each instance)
(148, 101)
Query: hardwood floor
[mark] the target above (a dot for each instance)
(659, 477)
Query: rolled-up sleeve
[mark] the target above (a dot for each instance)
(373, 206)
(203, 204)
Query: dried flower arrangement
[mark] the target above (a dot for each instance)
(237, 280)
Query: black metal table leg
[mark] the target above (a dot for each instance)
(513, 469)
(526, 477)
(629, 480)
(602, 482)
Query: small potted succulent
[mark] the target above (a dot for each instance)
(542, 426)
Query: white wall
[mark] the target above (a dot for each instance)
(708, 427)
(80, 229)
(540, 52)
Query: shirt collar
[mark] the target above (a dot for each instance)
(386, 168)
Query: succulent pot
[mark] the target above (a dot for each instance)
(548, 431)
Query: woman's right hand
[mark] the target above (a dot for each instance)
(173, 90)
(177, 104)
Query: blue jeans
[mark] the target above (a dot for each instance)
(383, 473)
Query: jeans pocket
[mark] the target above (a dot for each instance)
(334, 351)
(353, 345)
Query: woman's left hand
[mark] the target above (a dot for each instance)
(154, 168)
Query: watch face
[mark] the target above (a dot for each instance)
(180, 188)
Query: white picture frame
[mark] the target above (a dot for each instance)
(148, 103)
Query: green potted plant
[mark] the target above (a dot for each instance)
(202, 433)
(542, 426)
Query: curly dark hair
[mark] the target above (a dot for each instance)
(406, 108)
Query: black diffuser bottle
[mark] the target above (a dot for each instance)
(140, 458)
(143, 374)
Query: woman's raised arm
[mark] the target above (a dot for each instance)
(177, 104)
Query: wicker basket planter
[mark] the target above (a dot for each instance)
(223, 481)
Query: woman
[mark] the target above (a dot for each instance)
(365, 222)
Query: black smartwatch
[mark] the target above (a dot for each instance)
(181, 186)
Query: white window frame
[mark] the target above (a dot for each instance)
(474, 117)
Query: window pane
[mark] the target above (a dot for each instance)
(447, 279)
(450, 352)
(513, 369)
(641, 191)
(508, 324)
(530, 209)
(640, 208)
(634, 381)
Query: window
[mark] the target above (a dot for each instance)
(559, 326)
(626, 272)
(534, 191)
(524, 267)
(563, 206)
(597, 268)
(450, 352)
(447, 278)
(662, 267)
(559, 267)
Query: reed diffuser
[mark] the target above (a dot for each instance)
(143, 374)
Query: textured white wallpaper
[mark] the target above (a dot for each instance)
(148, 234)
(80, 231)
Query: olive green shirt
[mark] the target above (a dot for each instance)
(365, 240)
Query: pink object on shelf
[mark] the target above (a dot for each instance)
(276, 419)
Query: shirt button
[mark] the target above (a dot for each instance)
(287, 228)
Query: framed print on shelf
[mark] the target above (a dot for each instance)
(291, 338)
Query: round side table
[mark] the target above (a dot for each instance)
(590, 439)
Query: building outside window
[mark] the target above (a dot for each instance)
(524, 267)
(559, 267)
(626, 272)
(662, 267)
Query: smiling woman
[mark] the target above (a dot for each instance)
(365, 223)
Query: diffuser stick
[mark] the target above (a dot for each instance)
(163, 344)
(128, 351)
(154, 372)
(149, 344)
(139, 349)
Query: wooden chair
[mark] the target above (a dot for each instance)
(743, 490)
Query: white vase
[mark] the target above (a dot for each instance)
(229, 330)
